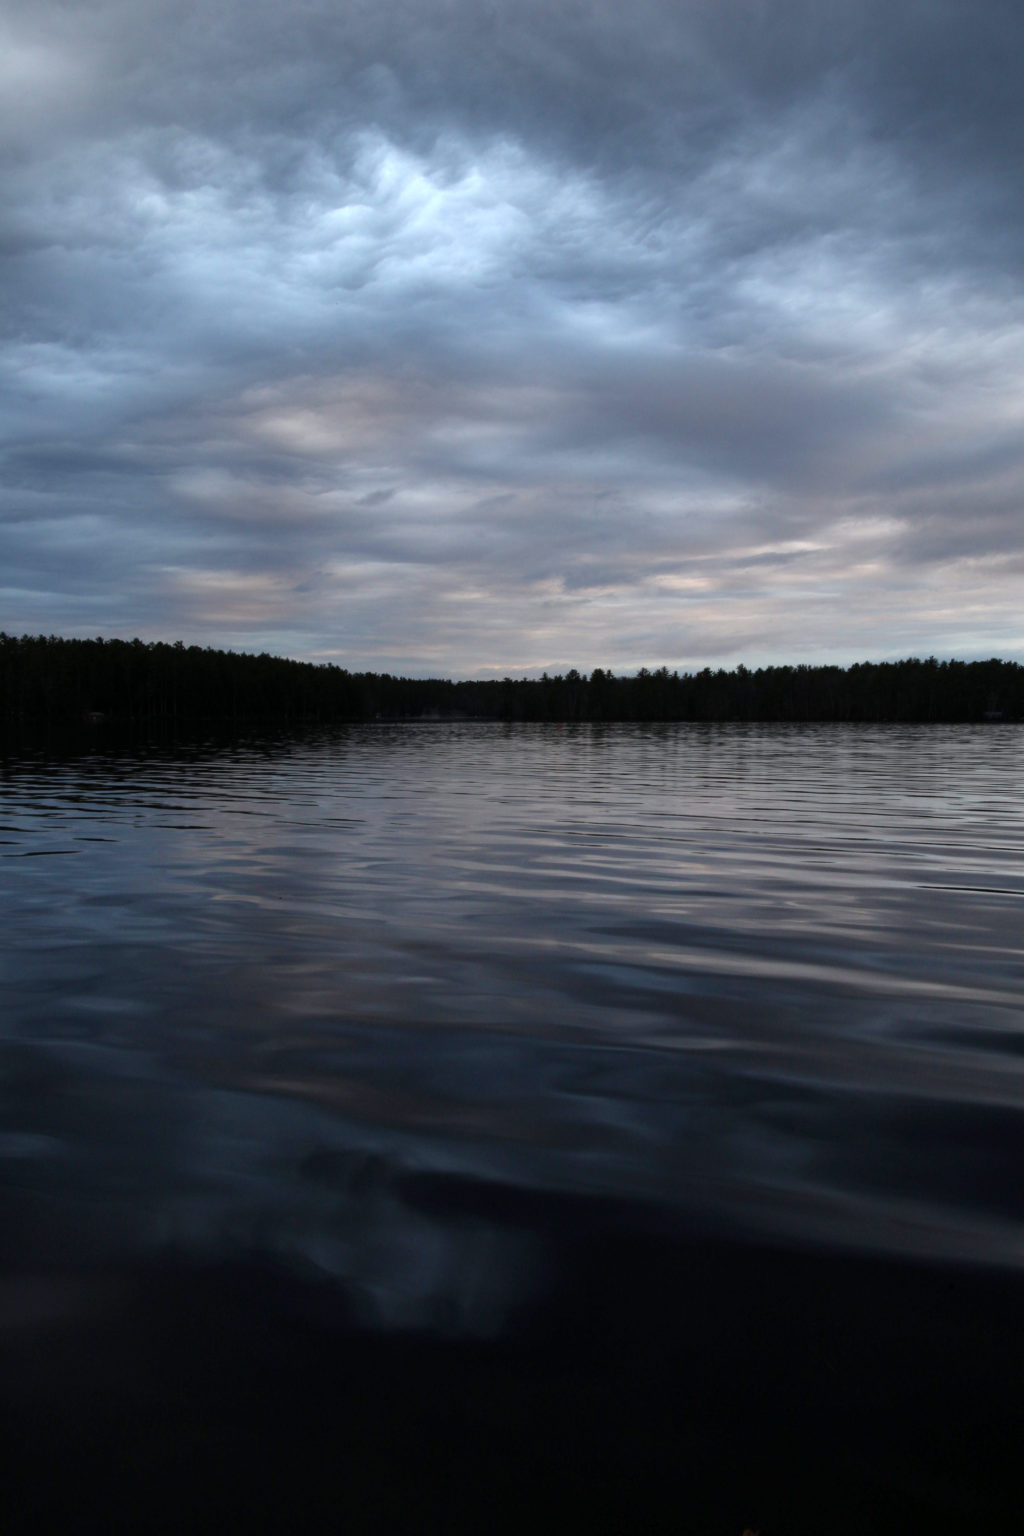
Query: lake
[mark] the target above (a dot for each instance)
(407, 1126)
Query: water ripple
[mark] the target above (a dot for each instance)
(773, 971)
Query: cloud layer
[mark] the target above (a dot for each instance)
(474, 335)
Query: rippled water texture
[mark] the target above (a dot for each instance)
(767, 977)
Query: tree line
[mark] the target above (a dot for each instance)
(47, 679)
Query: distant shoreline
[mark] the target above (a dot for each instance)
(50, 680)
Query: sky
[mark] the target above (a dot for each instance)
(474, 337)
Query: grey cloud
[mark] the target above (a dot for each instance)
(466, 331)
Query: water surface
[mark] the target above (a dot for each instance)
(344, 999)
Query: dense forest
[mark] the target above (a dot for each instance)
(44, 679)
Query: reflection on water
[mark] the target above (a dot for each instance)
(408, 1128)
(767, 978)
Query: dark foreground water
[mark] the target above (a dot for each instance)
(469, 1128)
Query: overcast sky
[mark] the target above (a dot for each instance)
(458, 336)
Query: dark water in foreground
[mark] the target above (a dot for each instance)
(414, 1128)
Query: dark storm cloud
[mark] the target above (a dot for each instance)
(506, 334)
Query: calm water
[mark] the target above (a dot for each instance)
(308, 998)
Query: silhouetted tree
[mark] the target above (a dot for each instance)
(48, 679)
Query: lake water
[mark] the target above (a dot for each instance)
(456, 1030)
